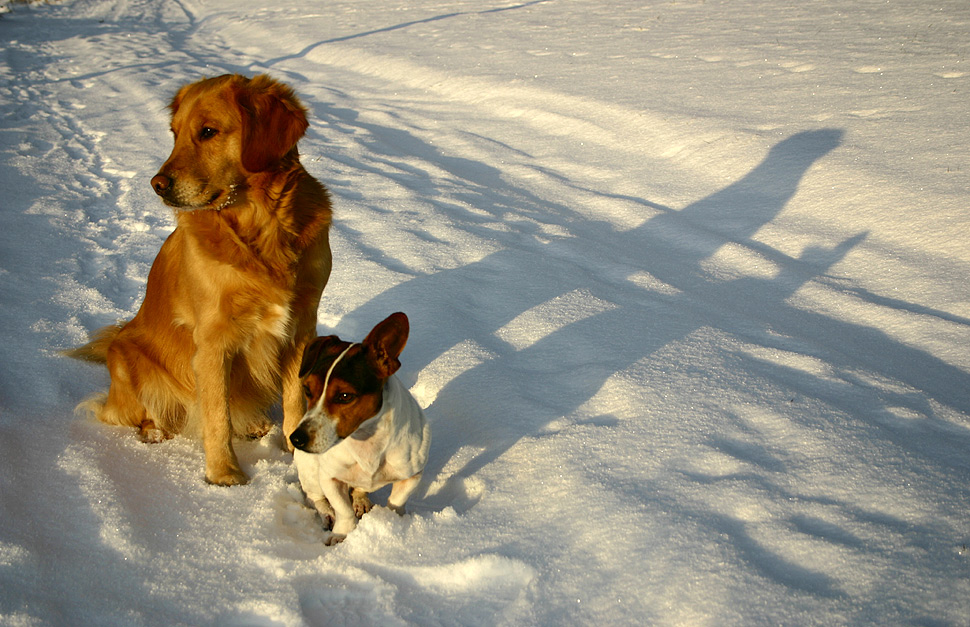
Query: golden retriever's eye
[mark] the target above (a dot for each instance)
(207, 132)
(344, 398)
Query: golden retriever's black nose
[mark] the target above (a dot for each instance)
(161, 183)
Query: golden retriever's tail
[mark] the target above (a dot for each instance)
(96, 350)
(92, 406)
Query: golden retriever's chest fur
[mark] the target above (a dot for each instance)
(246, 271)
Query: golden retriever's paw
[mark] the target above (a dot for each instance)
(150, 434)
(226, 477)
(362, 503)
(258, 430)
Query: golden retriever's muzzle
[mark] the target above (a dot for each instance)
(183, 196)
(164, 185)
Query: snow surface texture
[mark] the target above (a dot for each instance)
(688, 286)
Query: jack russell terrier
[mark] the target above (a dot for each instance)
(362, 429)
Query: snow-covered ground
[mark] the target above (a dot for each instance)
(689, 285)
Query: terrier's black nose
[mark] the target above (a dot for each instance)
(299, 438)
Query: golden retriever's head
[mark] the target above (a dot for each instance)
(226, 130)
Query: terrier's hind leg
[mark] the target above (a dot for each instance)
(401, 491)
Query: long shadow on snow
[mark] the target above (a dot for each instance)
(518, 391)
(671, 247)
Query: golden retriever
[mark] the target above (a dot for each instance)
(232, 296)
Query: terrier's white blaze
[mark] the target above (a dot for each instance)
(325, 435)
(326, 379)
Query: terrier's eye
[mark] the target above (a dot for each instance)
(307, 392)
(207, 132)
(342, 398)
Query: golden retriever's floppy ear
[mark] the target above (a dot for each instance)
(314, 351)
(273, 120)
(385, 342)
(173, 106)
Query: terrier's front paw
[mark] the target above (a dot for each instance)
(322, 505)
(362, 503)
(334, 539)
(342, 527)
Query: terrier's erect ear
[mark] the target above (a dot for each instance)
(384, 344)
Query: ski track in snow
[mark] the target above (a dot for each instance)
(681, 368)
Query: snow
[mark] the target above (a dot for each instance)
(688, 291)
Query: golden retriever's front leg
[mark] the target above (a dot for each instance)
(293, 403)
(211, 365)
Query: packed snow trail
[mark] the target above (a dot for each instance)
(688, 300)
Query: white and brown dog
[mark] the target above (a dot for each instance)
(362, 429)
